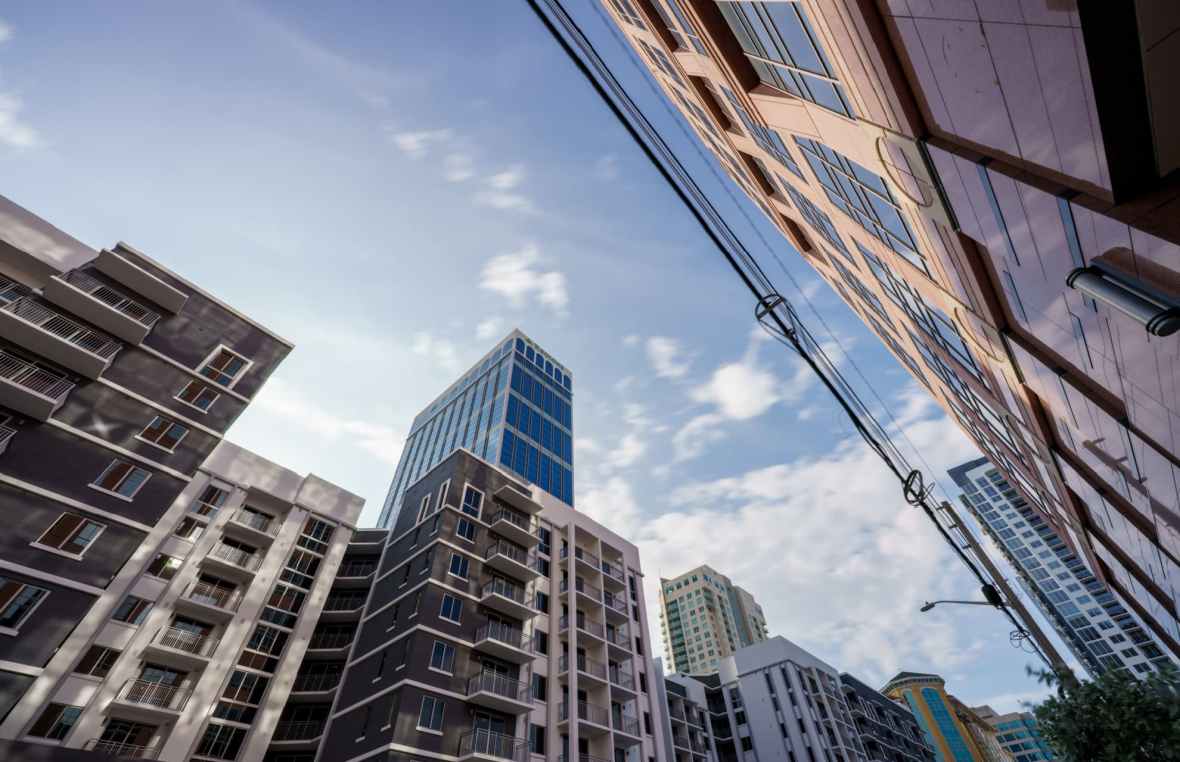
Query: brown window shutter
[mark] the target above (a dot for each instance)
(62, 530)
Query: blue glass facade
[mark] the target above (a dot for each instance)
(513, 408)
(947, 726)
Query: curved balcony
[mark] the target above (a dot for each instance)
(496, 691)
(484, 744)
(504, 642)
(343, 606)
(28, 323)
(310, 687)
(108, 308)
(121, 750)
(210, 600)
(31, 389)
(336, 642)
(354, 574)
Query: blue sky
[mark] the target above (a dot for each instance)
(395, 188)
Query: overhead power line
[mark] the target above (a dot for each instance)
(773, 312)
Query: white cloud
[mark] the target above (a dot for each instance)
(417, 144)
(378, 440)
(506, 180)
(458, 167)
(693, 438)
(441, 351)
(5, 31)
(488, 328)
(628, 452)
(517, 277)
(631, 340)
(501, 192)
(606, 167)
(612, 503)
(740, 391)
(666, 357)
(14, 132)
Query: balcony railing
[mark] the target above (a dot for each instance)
(620, 638)
(586, 711)
(493, 682)
(681, 741)
(585, 664)
(121, 749)
(584, 556)
(43, 382)
(356, 569)
(503, 633)
(325, 681)
(85, 282)
(188, 641)
(615, 603)
(64, 328)
(508, 550)
(622, 677)
(221, 597)
(628, 725)
(237, 557)
(583, 587)
(147, 693)
(594, 628)
(302, 730)
(516, 518)
(614, 571)
(677, 712)
(490, 744)
(330, 640)
(6, 435)
(501, 586)
(255, 521)
(344, 602)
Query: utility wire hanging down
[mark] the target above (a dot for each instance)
(773, 312)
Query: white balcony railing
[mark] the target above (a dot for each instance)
(112, 298)
(37, 380)
(64, 328)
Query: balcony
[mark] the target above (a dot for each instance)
(140, 281)
(84, 295)
(518, 498)
(616, 607)
(589, 668)
(253, 527)
(46, 332)
(178, 647)
(338, 642)
(151, 702)
(209, 600)
(612, 573)
(316, 683)
(587, 626)
(589, 592)
(509, 559)
(593, 719)
(620, 677)
(234, 562)
(680, 741)
(504, 642)
(619, 642)
(297, 731)
(31, 389)
(588, 559)
(515, 526)
(498, 692)
(343, 606)
(627, 725)
(507, 598)
(6, 435)
(118, 750)
(676, 712)
(354, 574)
(484, 744)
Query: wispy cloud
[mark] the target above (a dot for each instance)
(458, 167)
(500, 191)
(440, 351)
(488, 328)
(519, 277)
(5, 31)
(606, 168)
(667, 357)
(418, 143)
(14, 132)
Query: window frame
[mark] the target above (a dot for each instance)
(437, 705)
(57, 550)
(447, 648)
(14, 628)
(117, 462)
(171, 424)
(464, 563)
(142, 612)
(478, 516)
(443, 605)
(205, 388)
(247, 363)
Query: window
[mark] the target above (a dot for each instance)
(442, 657)
(315, 536)
(197, 395)
(122, 479)
(224, 367)
(164, 433)
(132, 610)
(424, 508)
(466, 530)
(55, 721)
(819, 221)
(536, 739)
(17, 601)
(430, 716)
(540, 687)
(189, 528)
(472, 501)
(97, 661)
(163, 566)
(459, 564)
(210, 501)
(625, 9)
(661, 62)
(452, 608)
(647, 723)
(784, 50)
(71, 534)
(541, 642)
(221, 741)
(768, 139)
(541, 602)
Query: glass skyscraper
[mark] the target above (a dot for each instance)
(513, 408)
(1100, 632)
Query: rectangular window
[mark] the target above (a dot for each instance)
(221, 741)
(17, 601)
(55, 721)
(819, 221)
(430, 716)
(539, 687)
(661, 62)
(536, 739)
(442, 657)
(466, 530)
(625, 9)
(163, 566)
(132, 610)
(97, 662)
(197, 395)
(224, 367)
(452, 608)
(459, 564)
(189, 528)
(472, 501)
(122, 479)
(164, 433)
(210, 501)
(71, 534)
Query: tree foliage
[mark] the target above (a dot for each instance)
(1114, 718)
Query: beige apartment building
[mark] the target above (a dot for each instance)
(991, 187)
(704, 617)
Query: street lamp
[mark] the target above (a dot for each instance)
(991, 595)
(931, 604)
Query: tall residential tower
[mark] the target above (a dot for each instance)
(704, 617)
(991, 186)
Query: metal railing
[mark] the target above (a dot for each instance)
(622, 678)
(681, 741)
(616, 603)
(37, 380)
(594, 628)
(501, 586)
(236, 556)
(583, 587)
(586, 711)
(121, 749)
(492, 744)
(255, 521)
(502, 633)
(219, 596)
(620, 637)
(344, 602)
(298, 730)
(507, 549)
(357, 569)
(188, 641)
(147, 693)
(677, 712)
(493, 682)
(585, 664)
(112, 298)
(628, 725)
(584, 556)
(516, 518)
(313, 683)
(614, 571)
(330, 640)
(699, 746)
(51, 321)
(6, 434)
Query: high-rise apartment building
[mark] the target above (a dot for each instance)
(946, 732)
(990, 187)
(1018, 733)
(156, 580)
(888, 731)
(704, 617)
(688, 735)
(514, 408)
(1099, 631)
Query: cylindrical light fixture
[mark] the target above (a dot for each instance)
(1159, 317)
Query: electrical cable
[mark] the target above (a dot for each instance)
(773, 312)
